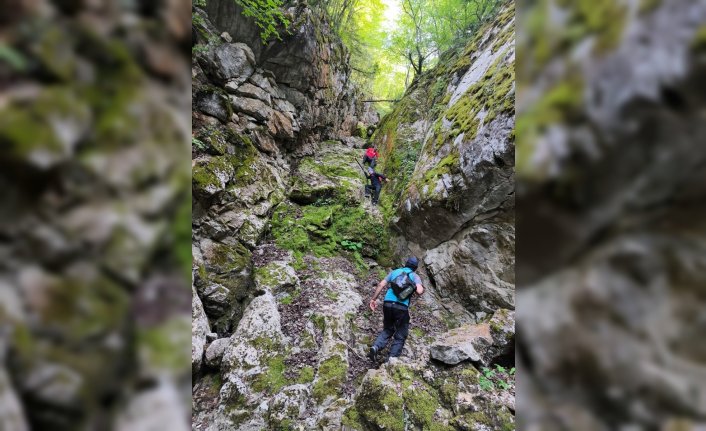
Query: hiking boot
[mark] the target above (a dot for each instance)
(373, 354)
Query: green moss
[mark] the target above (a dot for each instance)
(306, 375)
(448, 392)
(164, 347)
(227, 259)
(218, 172)
(25, 128)
(273, 379)
(506, 422)
(479, 418)
(421, 403)
(54, 50)
(319, 321)
(604, 19)
(320, 230)
(380, 406)
(447, 165)
(649, 5)
(493, 94)
(330, 378)
(23, 345)
(351, 419)
(417, 332)
(561, 104)
(699, 41)
(403, 375)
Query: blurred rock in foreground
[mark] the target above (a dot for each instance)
(611, 167)
(94, 215)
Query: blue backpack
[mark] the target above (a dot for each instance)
(403, 285)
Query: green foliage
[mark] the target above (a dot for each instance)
(500, 377)
(198, 144)
(351, 245)
(325, 231)
(306, 375)
(11, 56)
(267, 14)
(429, 27)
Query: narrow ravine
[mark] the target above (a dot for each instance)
(287, 250)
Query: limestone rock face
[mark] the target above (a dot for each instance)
(476, 267)
(456, 207)
(199, 329)
(215, 351)
(611, 193)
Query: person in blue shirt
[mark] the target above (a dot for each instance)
(395, 311)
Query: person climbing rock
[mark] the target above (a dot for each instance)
(375, 185)
(395, 309)
(370, 157)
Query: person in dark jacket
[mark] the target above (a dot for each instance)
(395, 311)
(375, 185)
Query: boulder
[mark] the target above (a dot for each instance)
(464, 343)
(288, 404)
(281, 125)
(230, 62)
(215, 351)
(254, 107)
(482, 343)
(213, 104)
(276, 277)
(159, 407)
(252, 92)
(199, 329)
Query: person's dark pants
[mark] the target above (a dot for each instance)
(396, 325)
(374, 189)
(372, 161)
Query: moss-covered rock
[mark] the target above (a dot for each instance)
(330, 376)
(330, 174)
(379, 404)
(322, 230)
(45, 130)
(277, 277)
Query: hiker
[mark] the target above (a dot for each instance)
(395, 309)
(370, 157)
(375, 185)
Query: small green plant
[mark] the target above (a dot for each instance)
(12, 57)
(500, 377)
(485, 383)
(267, 15)
(352, 245)
(198, 144)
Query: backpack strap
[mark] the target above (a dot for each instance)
(409, 274)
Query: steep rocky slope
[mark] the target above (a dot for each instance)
(611, 168)
(287, 250)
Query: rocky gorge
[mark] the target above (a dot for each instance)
(287, 250)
